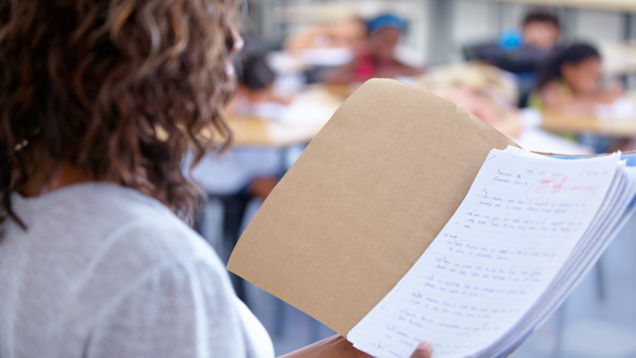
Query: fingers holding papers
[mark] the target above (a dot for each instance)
(423, 350)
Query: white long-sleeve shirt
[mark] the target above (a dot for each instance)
(105, 271)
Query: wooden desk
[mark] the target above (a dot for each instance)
(253, 131)
(556, 122)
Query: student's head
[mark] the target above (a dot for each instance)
(119, 89)
(579, 66)
(541, 29)
(384, 33)
(254, 73)
(349, 31)
(252, 70)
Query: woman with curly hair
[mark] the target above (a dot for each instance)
(99, 101)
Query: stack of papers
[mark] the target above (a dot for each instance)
(527, 231)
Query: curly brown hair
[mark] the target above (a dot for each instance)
(119, 88)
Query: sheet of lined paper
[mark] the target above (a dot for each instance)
(497, 254)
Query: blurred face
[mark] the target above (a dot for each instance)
(350, 31)
(383, 42)
(543, 35)
(583, 77)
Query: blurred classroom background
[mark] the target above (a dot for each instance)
(556, 76)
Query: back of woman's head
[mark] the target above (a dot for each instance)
(574, 54)
(118, 88)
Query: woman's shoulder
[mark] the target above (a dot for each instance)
(110, 225)
(140, 226)
(93, 243)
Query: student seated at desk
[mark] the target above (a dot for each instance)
(571, 82)
(522, 52)
(377, 58)
(255, 82)
(486, 91)
(255, 87)
(541, 30)
(573, 77)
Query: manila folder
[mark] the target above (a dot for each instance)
(363, 202)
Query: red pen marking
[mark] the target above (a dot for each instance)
(557, 188)
(465, 334)
(538, 189)
(419, 295)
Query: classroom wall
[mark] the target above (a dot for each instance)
(454, 23)
(472, 21)
(599, 25)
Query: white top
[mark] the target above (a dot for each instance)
(105, 271)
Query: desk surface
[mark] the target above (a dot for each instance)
(556, 122)
(253, 131)
(309, 113)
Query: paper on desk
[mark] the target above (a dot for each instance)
(493, 259)
(622, 108)
(364, 201)
(304, 111)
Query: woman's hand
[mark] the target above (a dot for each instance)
(423, 350)
(338, 347)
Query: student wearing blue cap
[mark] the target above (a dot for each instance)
(377, 58)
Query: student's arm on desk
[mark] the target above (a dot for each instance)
(553, 97)
(344, 74)
(338, 347)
